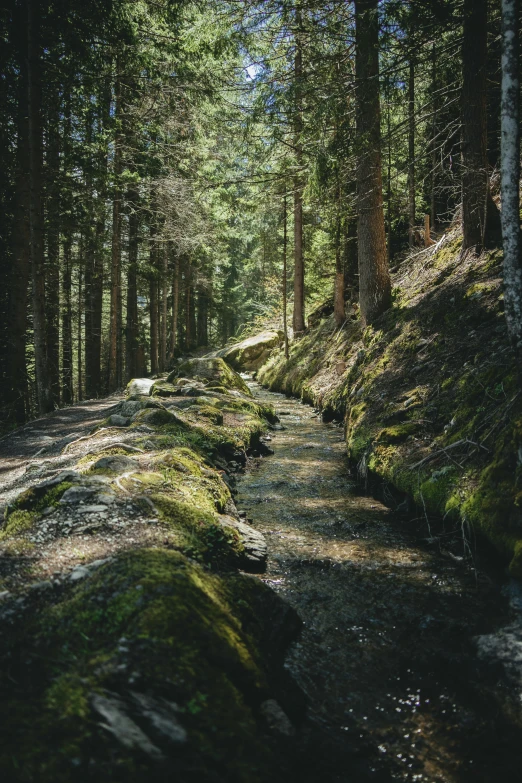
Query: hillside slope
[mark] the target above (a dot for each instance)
(429, 394)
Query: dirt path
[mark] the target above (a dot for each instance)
(35, 450)
(388, 658)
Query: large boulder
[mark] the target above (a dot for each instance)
(251, 353)
(139, 386)
(210, 368)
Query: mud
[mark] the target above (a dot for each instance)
(389, 659)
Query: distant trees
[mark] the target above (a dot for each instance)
(145, 149)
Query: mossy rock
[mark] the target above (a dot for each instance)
(152, 669)
(157, 417)
(210, 369)
(139, 387)
(164, 389)
(209, 412)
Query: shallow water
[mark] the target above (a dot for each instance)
(388, 657)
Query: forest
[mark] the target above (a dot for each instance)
(260, 391)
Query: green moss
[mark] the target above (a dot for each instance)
(214, 370)
(182, 631)
(18, 522)
(210, 413)
(397, 433)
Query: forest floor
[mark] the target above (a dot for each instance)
(400, 654)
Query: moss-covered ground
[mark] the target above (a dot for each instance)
(154, 664)
(429, 394)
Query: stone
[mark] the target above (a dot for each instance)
(181, 404)
(253, 542)
(118, 421)
(158, 417)
(95, 509)
(162, 717)
(251, 353)
(116, 463)
(276, 719)
(117, 722)
(105, 498)
(210, 369)
(129, 407)
(139, 386)
(60, 478)
(78, 573)
(75, 495)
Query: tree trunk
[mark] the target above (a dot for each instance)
(510, 172)
(479, 213)
(202, 318)
(19, 279)
(285, 276)
(339, 311)
(67, 348)
(299, 315)
(53, 250)
(163, 288)
(434, 162)
(175, 307)
(43, 391)
(374, 278)
(411, 154)
(115, 311)
(131, 335)
(79, 326)
(154, 330)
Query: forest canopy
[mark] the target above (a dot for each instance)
(171, 171)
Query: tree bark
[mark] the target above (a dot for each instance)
(510, 172)
(202, 317)
(67, 347)
(79, 352)
(175, 307)
(339, 311)
(131, 336)
(43, 391)
(374, 278)
(285, 276)
(115, 311)
(53, 249)
(479, 213)
(163, 288)
(299, 314)
(16, 395)
(411, 154)
(154, 326)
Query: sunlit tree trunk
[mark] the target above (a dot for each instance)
(374, 278)
(510, 172)
(411, 154)
(299, 316)
(131, 336)
(285, 275)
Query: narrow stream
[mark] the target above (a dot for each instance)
(388, 657)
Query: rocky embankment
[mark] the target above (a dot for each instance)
(429, 394)
(132, 647)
